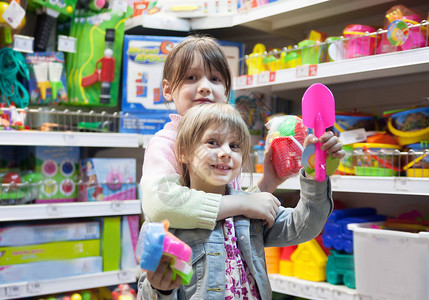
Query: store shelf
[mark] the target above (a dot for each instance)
(312, 290)
(349, 70)
(158, 21)
(285, 13)
(361, 184)
(69, 210)
(80, 139)
(43, 287)
(269, 17)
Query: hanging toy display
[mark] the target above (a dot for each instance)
(286, 135)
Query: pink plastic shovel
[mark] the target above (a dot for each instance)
(318, 112)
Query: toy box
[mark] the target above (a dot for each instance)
(12, 255)
(142, 97)
(390, 264)
(27, 234)
(47, 77)
(129, 237)
(108, 179)
(59, 167)
(46, 270)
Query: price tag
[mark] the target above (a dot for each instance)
(312, 70)
(70, 139)
(241, 81)
(353, 136)
(306, 71)
(33, 287)
(23, 43)
(14, 14)
(402, 184)
(272, 76)
(263, 77)
(302, 71)
(249, 80)
(13, 291)
(116, 205)
(124, 275)
(52, 210)
(66, 44)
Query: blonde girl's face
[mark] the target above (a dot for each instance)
(216, 160)
(201, 85)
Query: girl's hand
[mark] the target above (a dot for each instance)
(330, 144)
(269, 180)
(161, 279)
(262, 206)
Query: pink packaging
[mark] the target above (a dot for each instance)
(358, 44)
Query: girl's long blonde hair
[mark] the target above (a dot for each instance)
(197, 120)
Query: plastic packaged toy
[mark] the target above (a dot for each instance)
(286, 135)
(155, 241)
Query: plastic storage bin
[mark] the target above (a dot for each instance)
(391, 265)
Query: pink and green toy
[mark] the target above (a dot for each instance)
(286, 135)
(157, 241)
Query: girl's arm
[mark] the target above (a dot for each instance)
(304, 222)
(165, 198)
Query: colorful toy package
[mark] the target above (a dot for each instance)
(59, 169)
(47, 77)
(108, 179)
(91, 70)
(286, 135)
(142, 96)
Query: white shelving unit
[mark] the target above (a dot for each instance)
(72, 283)
(350, 70)
(361, 184)
(69, 210)
(313, 290)
(51, 211)
(79, 139)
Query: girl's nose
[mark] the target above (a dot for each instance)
(204, 87)
(225, 151)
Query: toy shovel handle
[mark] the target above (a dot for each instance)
(320, 167)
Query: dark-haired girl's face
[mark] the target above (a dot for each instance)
(200, 85)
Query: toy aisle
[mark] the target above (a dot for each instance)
(81, 96)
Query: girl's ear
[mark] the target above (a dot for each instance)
(166, 90)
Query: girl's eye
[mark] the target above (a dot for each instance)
(212, 142)
(217, 78)
(234, 146)
(191, 77)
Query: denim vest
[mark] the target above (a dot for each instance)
(292, 226)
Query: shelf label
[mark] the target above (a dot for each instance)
(402, 184)
(23, 43)
(263, 77)
(272, 76)
(353, 136)
(124, 275)
(70, 139)
(241, 81)
(34, 287)
(116, 205)
(52, 210)
(249, 80)
(66, 44)
(309, 290)
(306, 71)
(14, 291)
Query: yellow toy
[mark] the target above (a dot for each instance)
(255, 59)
